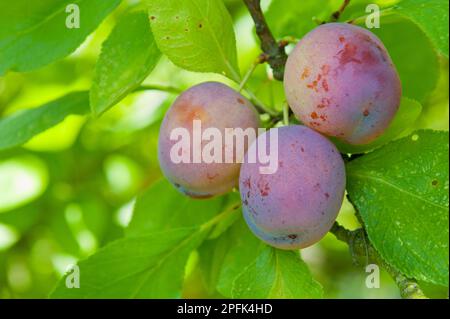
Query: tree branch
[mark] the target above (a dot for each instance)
(275, 52)
(361, 247)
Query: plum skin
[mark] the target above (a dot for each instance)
(215, 105)
(341, 81)
(298, 204)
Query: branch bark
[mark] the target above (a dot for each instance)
(275, 52)
(360, 246)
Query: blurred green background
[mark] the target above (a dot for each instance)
(71, 189)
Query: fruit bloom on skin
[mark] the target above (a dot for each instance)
(340, 81)
(295, 207)
(216, 106)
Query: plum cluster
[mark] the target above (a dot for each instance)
(339, 82)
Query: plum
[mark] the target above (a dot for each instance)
(218, 109)
(297, 205)
(340, 81)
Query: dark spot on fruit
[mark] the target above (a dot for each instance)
(348, 54)
(302, 149)
(245, 202)
(341, 39)
(305, 74)
(313, 86)
(324, 103)
(327, 195)
(177, 185)
(325, 69)
(325, 85)
(366, 112)
(314, 115)
(247, 183)
(369, 58)
(200, 25)
(382, 53)
(253, 211)
(240, 101)
(434, 183)
(293, 236)
(152, 18)
(263, 187)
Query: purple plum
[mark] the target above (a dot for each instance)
(341, 81)
(217, 107)
(296, 205)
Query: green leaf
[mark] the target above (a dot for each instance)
(401, 193)
(34, 33)
(268, 90)
(212, 254)
(150, 262)
(23, 125)
(431, 16)
(407, 114)
(149, 266)
(128, 56)
(290, 18)
(276, 274)
(162, 207)
(252, 269)
(244, 247)
(196, 35)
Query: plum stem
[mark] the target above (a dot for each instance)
(288, 40)
(259, 105)
(249, 74)
(224, 214)
(276, 54)
(361, 247)
(286, 114)
(337, 14)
